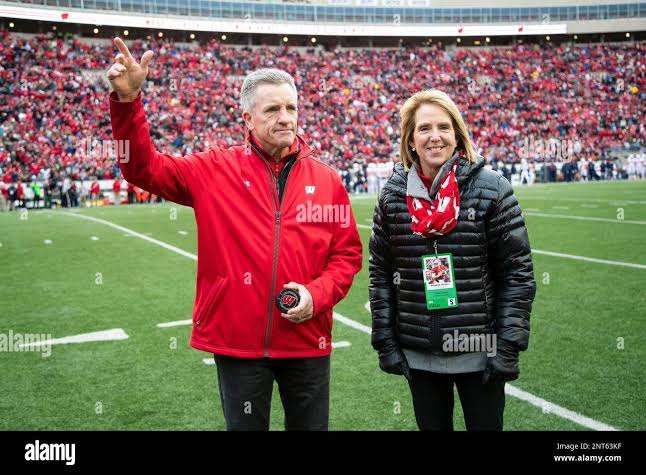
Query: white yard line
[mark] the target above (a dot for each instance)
(509, 389)
(105, 335)
(589, 259)
(569, 256)
(177, 250)
(583, 218)
(521, 197)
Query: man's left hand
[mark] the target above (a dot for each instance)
(305, 308)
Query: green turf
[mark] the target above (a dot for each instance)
(148, 382)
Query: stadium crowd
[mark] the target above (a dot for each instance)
(54, 119)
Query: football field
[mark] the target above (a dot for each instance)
(115, 274)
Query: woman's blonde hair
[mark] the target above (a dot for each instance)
(407, 124)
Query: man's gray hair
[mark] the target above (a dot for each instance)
(258, 77)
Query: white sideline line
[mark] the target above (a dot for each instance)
(176, 323)
(549, 407)
(584, 218)
(512, 391)
(105, 335)
(570, 256)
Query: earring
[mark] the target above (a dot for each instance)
(413, 149)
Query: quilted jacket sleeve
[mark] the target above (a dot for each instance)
(511, 260)
(383, 298)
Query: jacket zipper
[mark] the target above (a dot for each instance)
(277, 207)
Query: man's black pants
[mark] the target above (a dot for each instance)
(246, 387)
(483, 404)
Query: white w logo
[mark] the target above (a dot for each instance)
(309, 190)
(444, 202)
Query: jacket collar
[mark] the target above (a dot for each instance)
(298, 149)
(415, 187)
(465, 170)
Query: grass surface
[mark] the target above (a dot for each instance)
(154, 380)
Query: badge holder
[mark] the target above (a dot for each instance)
(439, 281)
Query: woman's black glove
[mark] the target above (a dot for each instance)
(503, 366)
(393, 361)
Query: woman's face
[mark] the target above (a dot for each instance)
(434, 137)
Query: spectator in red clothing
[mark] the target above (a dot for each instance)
(4, 197)
(351, 95)
(116, 189)
(20, 194)
(95, 190)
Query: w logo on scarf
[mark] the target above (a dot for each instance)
(437, 217)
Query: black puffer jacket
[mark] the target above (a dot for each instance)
(492, 266)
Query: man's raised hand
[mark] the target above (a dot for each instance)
(126, 75)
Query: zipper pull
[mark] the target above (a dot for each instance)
(435, 245)
(277, 217)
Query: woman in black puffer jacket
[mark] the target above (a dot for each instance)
(442, 200)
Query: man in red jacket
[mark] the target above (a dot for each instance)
(270, 216)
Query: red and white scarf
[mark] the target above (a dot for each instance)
(439, 215)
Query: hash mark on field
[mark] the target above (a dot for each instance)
(176, 323)
(94, 238)
(560, 207)
(183, 233)
(341, 344)
(509, 389)
(47, 241)
(589, 206)
(105, 335)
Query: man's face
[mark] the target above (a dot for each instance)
(273, 119)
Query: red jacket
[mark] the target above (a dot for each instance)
(249, 244)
